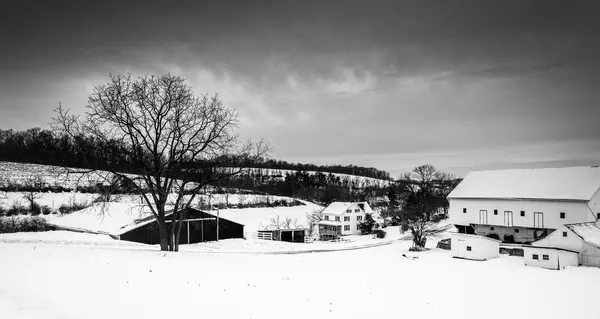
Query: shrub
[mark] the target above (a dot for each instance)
(16, 224)
(379, 233)
(417, 248)
(495, 236)
(2, 211)
(404, 226)
(16, 209)
(46, 210)
(35, 209)
(67, 209)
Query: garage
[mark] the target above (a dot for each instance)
(474, 247)
(550, 257)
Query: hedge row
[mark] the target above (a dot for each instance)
(15, 224)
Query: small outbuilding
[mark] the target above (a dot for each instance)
(474, 247)
(295, 235)
(549, 258)
(582, 238)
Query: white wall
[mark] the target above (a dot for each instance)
(594, 204)
(590, 255)
(576, 212)
(481, 248)
(556, 258)
(556, 239)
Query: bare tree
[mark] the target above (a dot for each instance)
(421, 230)
(313, 220)
(33, 186)
(175, 141)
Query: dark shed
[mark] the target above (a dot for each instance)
(198, 227)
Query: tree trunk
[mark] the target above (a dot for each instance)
(164, 236)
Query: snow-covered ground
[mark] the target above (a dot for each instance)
(49, 281)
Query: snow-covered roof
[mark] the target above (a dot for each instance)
(338, 208)
(589, 232)
(570, 183)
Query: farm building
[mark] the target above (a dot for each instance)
(525, 205)
(296, 235)
(474, 247)
(549, 258)
(581, 238)
(133, 223)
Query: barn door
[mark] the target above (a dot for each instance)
(538, 220)
(508, 219)
(483, 217)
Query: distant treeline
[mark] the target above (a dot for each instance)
(39, 146)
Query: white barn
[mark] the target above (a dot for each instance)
(582, 238)
(474, 247)
(525, 205)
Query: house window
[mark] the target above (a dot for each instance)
(495, 212)
(535, 256)
(337, 218)
(346, 227)
(598, 216)
(468, 248)
(522, 213)
(326, 217)
(564, 234)
(545, 257)
(358, 218)
(516, 230)
(346, 218)
(348, 210)
(357, 210)
(562, 215)
(464, 210)
(491, 228)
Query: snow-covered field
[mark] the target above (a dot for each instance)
(51, 281)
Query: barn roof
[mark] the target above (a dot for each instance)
(589, 232)
(570, 183)
(108, 218)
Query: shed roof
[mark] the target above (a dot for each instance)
(475, 237)
(569, 183)
(550, 248)
(110, 218)
(589, 232)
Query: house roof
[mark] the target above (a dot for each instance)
(569, 183)
(589, 232)
(338, 208)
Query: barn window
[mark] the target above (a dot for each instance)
(545, 257)
(491, 228)
(337, 218)
(346, 227)
(598, 216)
(495, 212)
(326, 217)
(468, 248)
(516, 230)
(564, 234)
(562, 215)
(464, 210)
(535, 256)
(522, 213)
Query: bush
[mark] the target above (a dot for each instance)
(15, 224)
(438, 218)
(35, 209)
(495, 236)
(2, 211)
(46, 210)
(417, 248)
(404, 226)
(379, 233)
(16, 209)
(67, 209)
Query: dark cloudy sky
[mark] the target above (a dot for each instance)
(390, 84)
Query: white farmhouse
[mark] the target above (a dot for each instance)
(342, 218)
(525, 205)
